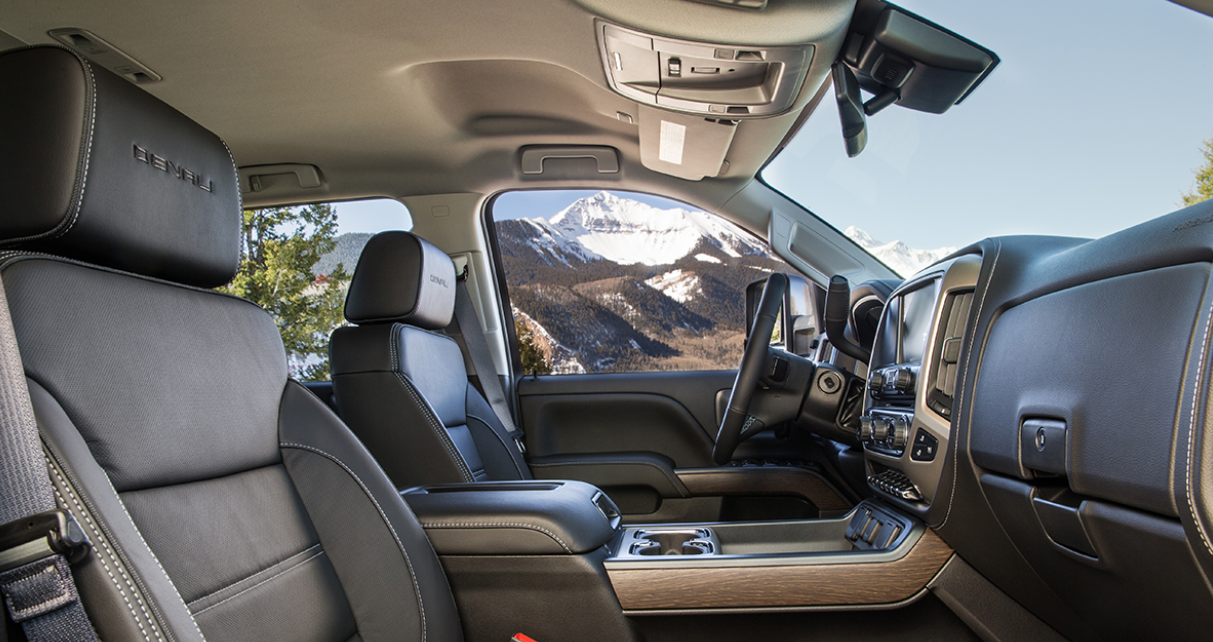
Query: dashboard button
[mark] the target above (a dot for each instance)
(925, 446)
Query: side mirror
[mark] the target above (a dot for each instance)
(798, 325)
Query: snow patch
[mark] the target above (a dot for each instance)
(707, 258)
(901, 258)
(676, 284)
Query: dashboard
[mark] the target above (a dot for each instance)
(1043, 404)
(905, 427)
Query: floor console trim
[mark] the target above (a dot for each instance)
(681, 587)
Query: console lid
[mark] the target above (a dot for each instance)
(514, 518)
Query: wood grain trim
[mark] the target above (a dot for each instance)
(771, 586)
(786, 481)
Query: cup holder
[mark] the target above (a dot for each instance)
(651, 543)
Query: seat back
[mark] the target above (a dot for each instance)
(222, 499)
(401, 385)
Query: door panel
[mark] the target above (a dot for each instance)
(671, 413)
(662, 424)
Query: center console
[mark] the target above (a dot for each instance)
(906, 425)
(524, 552)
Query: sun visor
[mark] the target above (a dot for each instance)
(683, 145)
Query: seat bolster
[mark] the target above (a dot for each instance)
(337, 478)
(500, 455)
(126, 592)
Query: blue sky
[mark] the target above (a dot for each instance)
(1092, 123)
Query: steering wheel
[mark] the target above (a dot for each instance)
(737, 420)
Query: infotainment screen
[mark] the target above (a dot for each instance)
(907, 320)
(917, 309)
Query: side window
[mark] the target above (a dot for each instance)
(297, 262)
(625, 282)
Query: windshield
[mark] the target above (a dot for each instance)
(1095, 120)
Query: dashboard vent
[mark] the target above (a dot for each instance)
(947, 352)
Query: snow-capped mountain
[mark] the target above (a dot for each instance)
(613, 284)
(628, 232)
(902, 258)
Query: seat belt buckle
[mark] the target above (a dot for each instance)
(517, 436)
(39, 536)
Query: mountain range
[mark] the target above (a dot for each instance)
(613, 284)
(900, 257)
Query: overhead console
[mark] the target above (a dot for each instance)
(905, 428)
(716, 80)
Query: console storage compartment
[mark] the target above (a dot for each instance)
(526, 556)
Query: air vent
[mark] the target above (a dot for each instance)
(947, 352)
(105, 54)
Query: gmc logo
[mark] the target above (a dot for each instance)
(165, 165)
(437, 280)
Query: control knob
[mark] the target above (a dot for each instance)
(903, 381)
(877, 380)
(865, 428)
(900, 434)
(880, 429)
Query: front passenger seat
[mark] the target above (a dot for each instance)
(222, 499)
(401, 385)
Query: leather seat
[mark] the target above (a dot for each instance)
(222, 499)
(401, 385)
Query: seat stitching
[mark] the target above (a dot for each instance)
(673, 480)
(1200, 365)
(159, 621)
(533, 527)
(961, 391)
(155, 559)
(100, 539)
(430, 416)
(438, 428)
(239, 201)
(220, 590)
(92, 127)
(513, 459)
(266, 580)
(382, 515)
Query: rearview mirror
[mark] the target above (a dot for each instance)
(905, 60)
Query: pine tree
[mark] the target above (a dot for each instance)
(1203, 189)
(533, 360)
(280, 247)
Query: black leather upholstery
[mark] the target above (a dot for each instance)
(514, 518)
(95, 171)
(402, 278)
(404, 389)
(222, 499)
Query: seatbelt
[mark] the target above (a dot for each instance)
(482, 361)
(36, 539)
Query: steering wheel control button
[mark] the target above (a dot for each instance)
(830, 382)
(925, 446)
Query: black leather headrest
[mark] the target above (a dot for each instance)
(402, 278)
(96, 169)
